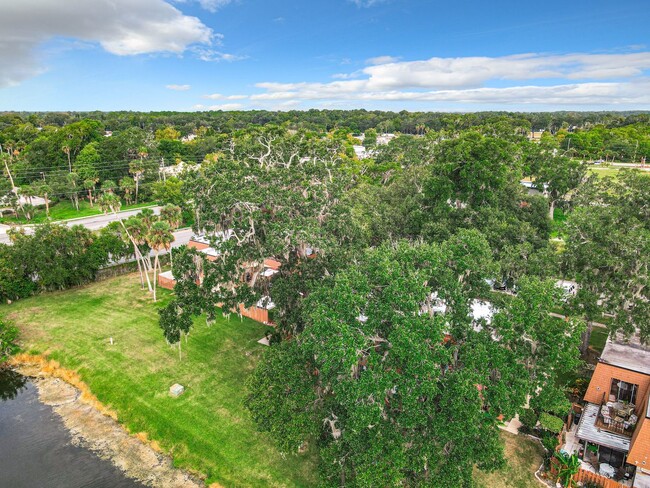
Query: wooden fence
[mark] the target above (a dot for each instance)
(587, 476)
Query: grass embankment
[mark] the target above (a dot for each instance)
(207, 429)
(64, 210)
(524, 457)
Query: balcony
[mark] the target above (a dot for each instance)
(616, 417)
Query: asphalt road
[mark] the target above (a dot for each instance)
(97, 222)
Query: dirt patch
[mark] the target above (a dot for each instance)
(97, 430)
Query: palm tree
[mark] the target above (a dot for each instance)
(127, 185)
(148, 217)
(136, 168)
(89, 184)
(136, 231)
(159, 237)
(43, 190)
(171, 214)
(109, 202)
(66, 149)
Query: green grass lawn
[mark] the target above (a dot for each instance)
(557, 226)
(603, 171)
(524, 457)
(207, 429)
(64, 210)
(598, 338)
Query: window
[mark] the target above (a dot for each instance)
(624, 392)
(610, 456)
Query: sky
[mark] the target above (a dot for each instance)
(436, 55)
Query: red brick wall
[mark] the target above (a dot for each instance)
(164, 282)
(601, 382)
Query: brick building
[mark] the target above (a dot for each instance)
(614, 429)
(259, 312)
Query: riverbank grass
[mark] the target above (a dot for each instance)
(206, 429)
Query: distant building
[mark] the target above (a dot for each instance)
(177, 169)
(383, 139)
(360, 152)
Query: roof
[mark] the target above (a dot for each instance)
(627, 353)
(210, 251)
(588, 431)
(218, 236)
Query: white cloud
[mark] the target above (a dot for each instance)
(210, 5)
(121, 27)
(219, 96)
(225, 107)
(367, 3)
(569, 79)
(178, 87)
(382, 60)
(209, 54)
(213, 5)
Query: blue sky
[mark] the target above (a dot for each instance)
(280, 54)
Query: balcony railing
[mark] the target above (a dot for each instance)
(616, 418)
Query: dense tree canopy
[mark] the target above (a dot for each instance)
(378, 360)
(376, 376)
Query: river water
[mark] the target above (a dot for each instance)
(36, 449)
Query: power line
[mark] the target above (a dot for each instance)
(84, 191)
(107, 166)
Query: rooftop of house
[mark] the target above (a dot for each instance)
(628, 353)
(211, 251)
(218, 236)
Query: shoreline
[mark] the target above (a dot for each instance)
(95, 427)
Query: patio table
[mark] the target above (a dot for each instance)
(607, 470)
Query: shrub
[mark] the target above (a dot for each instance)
(550, 442)
(8, 336)
(551, 422)
(528, 418)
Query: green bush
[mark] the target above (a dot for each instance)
(8, 337)
(550, 442)
(528, 418)
(551, 422)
